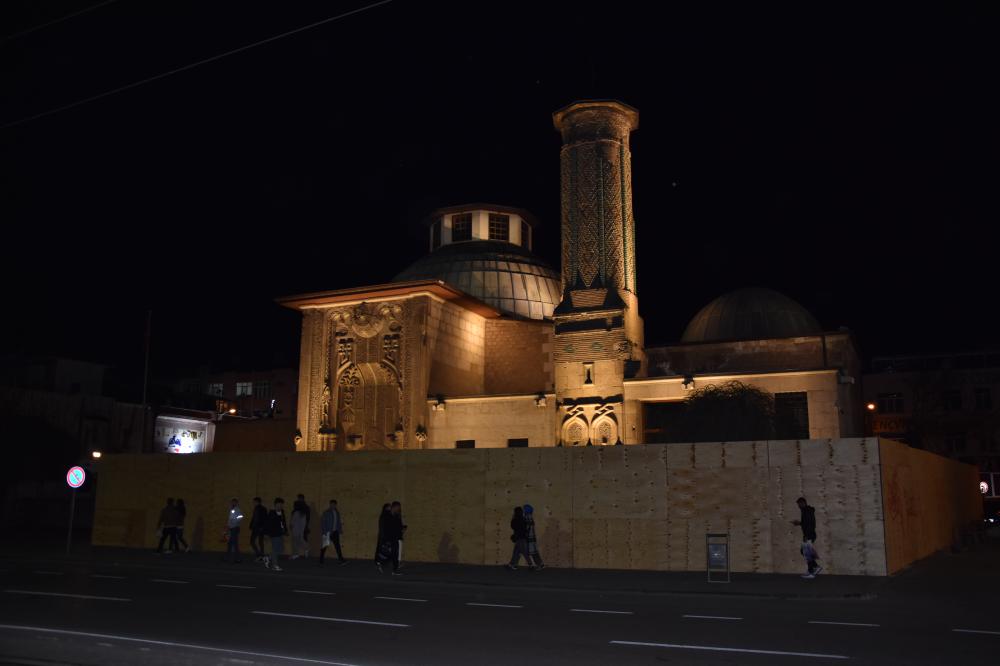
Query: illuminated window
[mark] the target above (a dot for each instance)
(244, 388)
(436, 234)
(499, 227)
(984, 399)
(465, 444)
(262, 389)
(890, 403)
(215, 389)
(525, 235)
(461, 227)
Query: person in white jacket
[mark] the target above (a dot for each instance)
(233, 521)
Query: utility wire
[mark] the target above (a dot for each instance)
(164, 75)
(28, 31)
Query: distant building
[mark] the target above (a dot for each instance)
(945, 403)
(54, 375)
(252, 393)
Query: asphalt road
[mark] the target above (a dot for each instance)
(158, 613)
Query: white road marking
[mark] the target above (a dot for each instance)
(976, 631)
(331, 619)
(189, 646)
(48, 573)
(68, 596)
(237, 587)
(472, 603)
(107, 576)
(845, 624)
(401, 599)
(104, 644)
(711, 617)
(712, 648)
(329, 594)
(594, 610)
(167, 580)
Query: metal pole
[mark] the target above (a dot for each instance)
(72, 512)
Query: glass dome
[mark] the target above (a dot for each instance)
(507, 276)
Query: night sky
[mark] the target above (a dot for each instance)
(846, 158)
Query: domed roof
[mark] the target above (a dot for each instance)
(750, 314)
(508, 277)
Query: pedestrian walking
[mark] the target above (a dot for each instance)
(300, 528)
(333, 526)
(257, 521)
(276, 528)
(233, 521)
(167, 526)
(519, 536)
(392, 533)
(807, 521)
(178, 540)
(382, 517)
(534, 557)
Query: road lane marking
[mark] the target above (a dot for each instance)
(845, 624)
(594, 610)
(331, 619)
(712, 648)
(711, 617)
(473, 603)
(976, 631)
(237, 587)
(48, 573)
(63, 594)
(189, 646)
(167, 580)
(401, 599)
(107, 576)
(329, 594)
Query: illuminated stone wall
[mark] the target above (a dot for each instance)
(626, 507)
(491, 421)
(518, 356)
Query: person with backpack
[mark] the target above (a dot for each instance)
(332, 526)
(276, 528)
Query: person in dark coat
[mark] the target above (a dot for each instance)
(276, 527)
(257, 521)
(178, 540)
(168, 526)
(519, 536)
(381, 531)
(807, 521)
(392, 533)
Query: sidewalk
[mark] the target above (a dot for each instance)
(773, 586)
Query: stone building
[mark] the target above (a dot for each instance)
(481, 344)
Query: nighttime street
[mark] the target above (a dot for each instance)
(196, 610)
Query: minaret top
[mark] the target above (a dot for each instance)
(596, 119)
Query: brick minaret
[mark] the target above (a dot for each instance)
(598, 332)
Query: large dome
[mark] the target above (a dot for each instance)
(508, 277)
(750, 314)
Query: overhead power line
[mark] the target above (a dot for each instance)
(28, 31)
(185, 68)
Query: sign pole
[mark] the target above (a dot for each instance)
(72, 512)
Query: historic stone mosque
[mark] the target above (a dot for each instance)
(480, 344)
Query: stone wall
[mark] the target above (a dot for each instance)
(518, 356)
(455, 343)
(492, 420)
(629, 507)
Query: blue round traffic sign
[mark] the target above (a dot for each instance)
(75, 477)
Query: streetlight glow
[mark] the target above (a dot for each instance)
(95, 454)
(871, 406)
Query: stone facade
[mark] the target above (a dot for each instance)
(518, 357)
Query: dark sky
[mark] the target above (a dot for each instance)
(844, 157)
